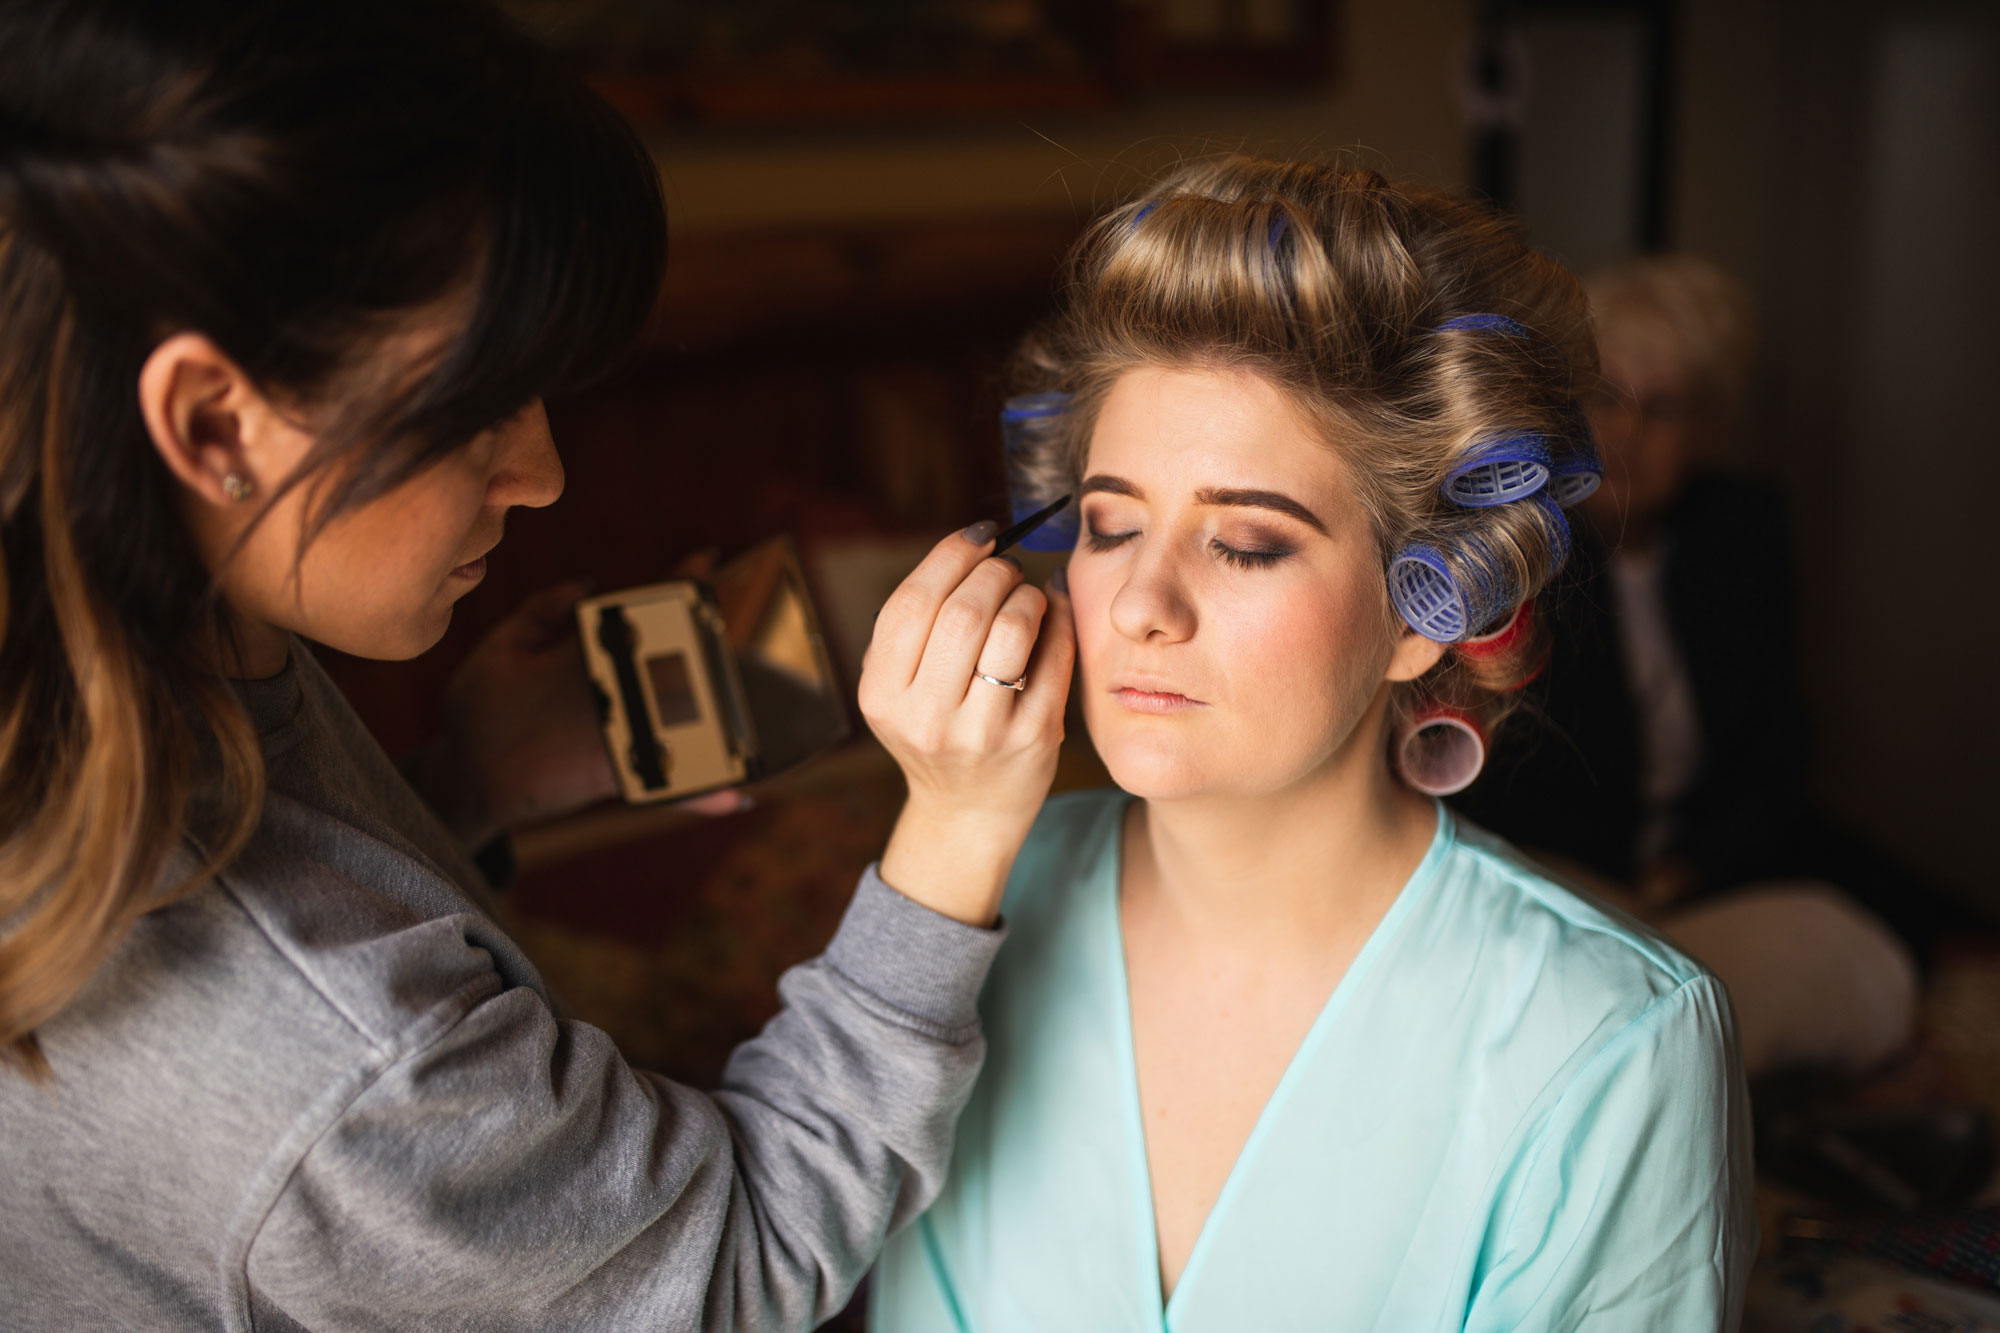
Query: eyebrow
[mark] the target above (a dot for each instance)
(1248, 499)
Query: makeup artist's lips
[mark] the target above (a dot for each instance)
(475, 568)
(1136, 700)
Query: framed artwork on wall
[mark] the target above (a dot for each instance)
(749, 62)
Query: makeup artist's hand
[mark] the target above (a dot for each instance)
(978, 757)
(521, 741)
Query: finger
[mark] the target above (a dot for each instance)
(1053, 661)
(726, 802)
(904, 625)
(546, 615)
(1012, 635)
(958, 635)
(1005, 655)
(698, 565)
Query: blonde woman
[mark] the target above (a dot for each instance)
(282, 284)
(1676, 690)
(1279, 1043)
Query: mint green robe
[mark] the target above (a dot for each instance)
(1518, 1110)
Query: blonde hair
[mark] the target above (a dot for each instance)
(1702, 313)
(1332, 284)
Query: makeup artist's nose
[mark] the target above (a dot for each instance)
(1152, 604)
(526, 468)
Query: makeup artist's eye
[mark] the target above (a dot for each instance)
(1104, 541)
(1263, 559)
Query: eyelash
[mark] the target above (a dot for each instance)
(1249, 559)
(1105, 541)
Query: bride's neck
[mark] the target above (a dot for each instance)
(1295, 865)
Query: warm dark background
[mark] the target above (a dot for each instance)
(862, 226)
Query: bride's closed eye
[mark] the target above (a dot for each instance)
(1254, 558)
(1099, 540)
(1258, 557)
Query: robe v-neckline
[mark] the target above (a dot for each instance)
(1161, 1312)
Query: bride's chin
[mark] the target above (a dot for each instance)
(1152, 774)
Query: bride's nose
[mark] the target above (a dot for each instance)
(1153, 604)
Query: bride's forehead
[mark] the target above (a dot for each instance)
(1181, 431)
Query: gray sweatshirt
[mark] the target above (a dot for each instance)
(328, 1092)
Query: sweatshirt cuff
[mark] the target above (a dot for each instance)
(921, 962)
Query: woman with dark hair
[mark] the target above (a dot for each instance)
(282, 286)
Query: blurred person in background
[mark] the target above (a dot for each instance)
(1670, 772)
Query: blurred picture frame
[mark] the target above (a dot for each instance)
(750, 62)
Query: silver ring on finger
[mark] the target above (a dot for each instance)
(1020, 684)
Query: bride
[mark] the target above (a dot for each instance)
(1277, 1042)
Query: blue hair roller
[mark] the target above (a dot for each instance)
(1499, 472)
(1026, 423)
(1145, 211)
(1447, 599)
(1499, 323)
(1577, 474)
(1032, 407)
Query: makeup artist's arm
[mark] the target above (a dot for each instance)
(502, 1168)
(978, 757)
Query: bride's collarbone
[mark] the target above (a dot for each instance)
(1212, 1039)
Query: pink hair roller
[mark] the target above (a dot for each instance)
(1441, 751)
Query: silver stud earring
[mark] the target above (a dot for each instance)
(236, 486)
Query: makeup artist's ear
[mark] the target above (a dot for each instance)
(213, 429)
(1414, 656)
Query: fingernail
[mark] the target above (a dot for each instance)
(1059, 581)
(1010, 560)
(981, 532)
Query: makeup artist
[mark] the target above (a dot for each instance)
(282, 286)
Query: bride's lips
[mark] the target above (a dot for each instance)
(1137, 700)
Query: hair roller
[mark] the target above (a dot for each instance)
(1499, 472)
(1576, 474)
(1027, 423)
(1505, 638)
(1440, 751)
(1494, 659)
(1485, 323)
(1449, 593)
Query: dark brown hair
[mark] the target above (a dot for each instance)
(296, 180)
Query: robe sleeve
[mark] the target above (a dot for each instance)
(1631, 1206)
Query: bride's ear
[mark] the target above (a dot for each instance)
(1414, 655)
